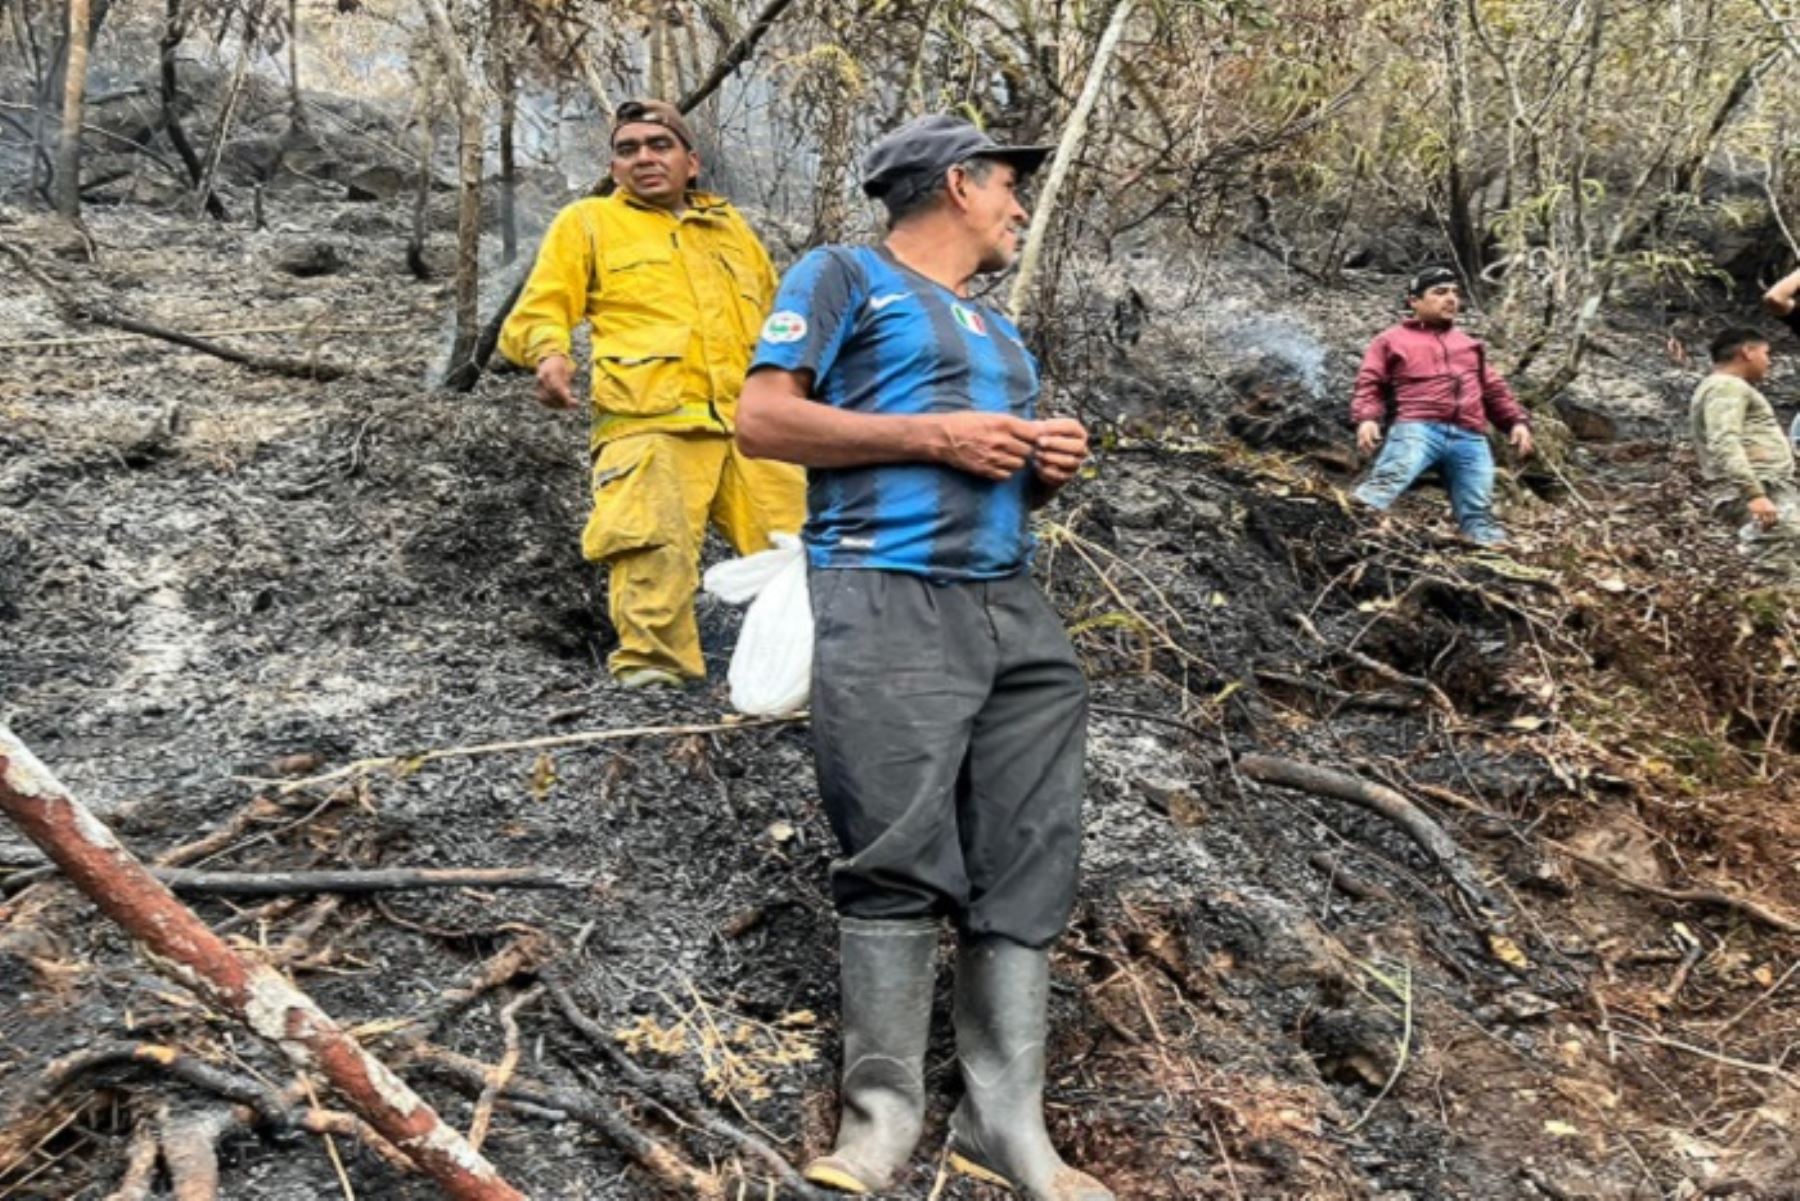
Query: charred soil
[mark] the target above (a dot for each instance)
(218, 585)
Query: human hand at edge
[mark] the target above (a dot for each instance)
(1764, 511)
(554, 376)
(1059, 450)
(1521, 440)
(990, 445)
(1368, 437)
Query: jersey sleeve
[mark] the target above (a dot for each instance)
(814, 313)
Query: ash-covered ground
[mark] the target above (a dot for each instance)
(206, 572)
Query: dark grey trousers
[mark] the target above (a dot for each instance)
(949, 725)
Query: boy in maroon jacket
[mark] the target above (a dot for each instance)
(1443, 394)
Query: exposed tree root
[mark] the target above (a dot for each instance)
(190, 1150)
(503, 1071)
(524, 954)
(140, 1165)
(1322, 781)
(1693, 896)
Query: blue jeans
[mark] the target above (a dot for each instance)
(1463, 458)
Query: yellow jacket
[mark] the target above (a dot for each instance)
(676, 304)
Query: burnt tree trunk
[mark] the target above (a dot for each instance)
(174, 30)
(421, 209)
(509, 175)
(215, 149)
(1460, 225)
(68, 150)
(469, 129)
(296, 110)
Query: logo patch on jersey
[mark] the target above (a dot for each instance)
(969, 319)
(785, 326)
(881, 302)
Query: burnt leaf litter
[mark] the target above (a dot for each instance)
(216, 583)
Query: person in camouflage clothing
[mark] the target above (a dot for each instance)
(1745, 458)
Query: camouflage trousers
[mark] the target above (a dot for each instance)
(1773, 553)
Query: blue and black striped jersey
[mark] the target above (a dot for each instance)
(880, 338)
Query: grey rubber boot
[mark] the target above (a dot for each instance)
(997, 1133)
(887, 971)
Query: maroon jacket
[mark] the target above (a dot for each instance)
(1431, 374)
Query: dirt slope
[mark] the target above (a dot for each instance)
(1264, 994)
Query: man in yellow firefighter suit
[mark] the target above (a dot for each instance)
(676, 287)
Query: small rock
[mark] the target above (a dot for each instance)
(312, 259)
(1526, 1006)
(297, 765)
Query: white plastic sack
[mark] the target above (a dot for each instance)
(771, 669)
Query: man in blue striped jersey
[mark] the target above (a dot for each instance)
(948, 706)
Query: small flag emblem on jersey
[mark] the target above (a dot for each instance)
(785, 326)
(969, 319)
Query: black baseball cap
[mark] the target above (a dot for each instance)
(912, 159)
(1430, 278)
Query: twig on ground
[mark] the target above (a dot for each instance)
(1768, 992)
(1404, 991)
(585, 738)
(353, 882)
(1387, 672)
(1694, 896)
(676, 1092)
(31, 344)
(522, 955)
(503, 1071)
(666, 1165)
(234, 827)
(331, 1151)
(90, 312)
(1731, 1061)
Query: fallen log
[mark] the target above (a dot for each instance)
(182, 946)
(90, 312)
(1322, 781)
(309, 369)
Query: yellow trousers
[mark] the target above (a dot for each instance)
(653, 496)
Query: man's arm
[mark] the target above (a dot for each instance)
(1779, 299)
(1722, 416)
(1502, 407)
(1368, 396)
(777, 419)
(552, 304)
